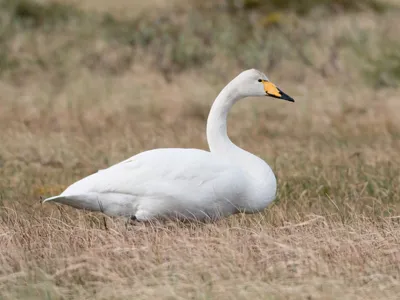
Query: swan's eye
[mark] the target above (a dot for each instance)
(259, 80)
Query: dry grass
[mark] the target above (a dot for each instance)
(75, 102)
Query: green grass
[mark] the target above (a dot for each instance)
(175, 44)
(305, 7)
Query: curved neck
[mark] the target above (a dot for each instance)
(217, 135)
(219, 142)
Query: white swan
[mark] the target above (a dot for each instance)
(186, 183)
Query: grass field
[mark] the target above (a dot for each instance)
(86, 84)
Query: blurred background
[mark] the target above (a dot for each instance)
(85, 84)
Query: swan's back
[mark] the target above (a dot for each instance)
(154, 166)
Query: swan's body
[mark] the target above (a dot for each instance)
(186, 183)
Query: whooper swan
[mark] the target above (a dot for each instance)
(186, 183)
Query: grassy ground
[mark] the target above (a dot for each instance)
(85, 85)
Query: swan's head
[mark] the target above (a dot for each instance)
(253, 83)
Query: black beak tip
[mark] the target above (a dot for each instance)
(288, 98)
(285, 96)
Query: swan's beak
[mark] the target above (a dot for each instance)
(272, 91)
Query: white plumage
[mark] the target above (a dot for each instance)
(186, 183)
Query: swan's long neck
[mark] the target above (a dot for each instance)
(217, 134)
(221, 145)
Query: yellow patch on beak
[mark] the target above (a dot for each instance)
(271, 89)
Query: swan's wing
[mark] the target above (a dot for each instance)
(155, 181)
(155, 166)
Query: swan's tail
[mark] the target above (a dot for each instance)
(110, 204)
(86, 201)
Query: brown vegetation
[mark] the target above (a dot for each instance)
(81, 90)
